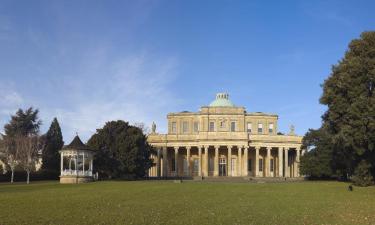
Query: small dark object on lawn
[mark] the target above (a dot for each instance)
(350, 188)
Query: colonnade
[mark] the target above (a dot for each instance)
(227, 160)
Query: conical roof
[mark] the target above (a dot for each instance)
(76, 144)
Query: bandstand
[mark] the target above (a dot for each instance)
(76, 163)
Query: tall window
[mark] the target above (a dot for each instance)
(185, 127)
(260, 128)
(196, 126)
(174, 127)
(249, 166)
(271, 165)
(270, 128)
(260, 165)
(212, 126)
(233, 126)
(249, 127)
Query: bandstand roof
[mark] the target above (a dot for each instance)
(76, 144)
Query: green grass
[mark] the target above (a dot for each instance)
(165, 202)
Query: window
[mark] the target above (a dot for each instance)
(222, 124)
(249, 165)
(270, 128)
(271, 165)
(196, 126)
(174, 128)
(260, 128)
(233, 126)
(260, 165)
(185, 127)
(249, 127)
(212, 126)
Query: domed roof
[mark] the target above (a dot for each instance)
(222, 100)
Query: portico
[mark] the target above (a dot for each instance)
(224, 140)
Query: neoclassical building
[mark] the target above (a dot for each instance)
(224, 140)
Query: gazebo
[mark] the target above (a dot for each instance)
(76, 163)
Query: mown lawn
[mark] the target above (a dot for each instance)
(165, 202)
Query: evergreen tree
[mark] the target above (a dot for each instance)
(123, 151)
(53, 142)
(24, 123)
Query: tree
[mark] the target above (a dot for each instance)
(317, 162)
(9, 154)
(53, 142)
(350, 96)
(122, 150)
(28, 147)
(23, 123)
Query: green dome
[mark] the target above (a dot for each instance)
(222, 100)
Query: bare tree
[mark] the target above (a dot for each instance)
(28, 147)
(9, 154)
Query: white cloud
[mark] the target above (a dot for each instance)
(134, 89)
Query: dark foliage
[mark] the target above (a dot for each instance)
(53, 142)
(122, 151)
(23, 123)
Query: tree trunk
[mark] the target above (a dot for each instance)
(12, 177)
(28, 177)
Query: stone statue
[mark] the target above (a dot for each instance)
(153, 127)
(291, 132)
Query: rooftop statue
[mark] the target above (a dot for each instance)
(153, 128)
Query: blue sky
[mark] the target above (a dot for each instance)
(88, 62)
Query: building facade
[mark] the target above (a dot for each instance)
(224, 140)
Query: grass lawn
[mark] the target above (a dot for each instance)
(165, 202)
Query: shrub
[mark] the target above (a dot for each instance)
(362, 175)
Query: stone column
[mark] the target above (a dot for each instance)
(216, 161)
(165, 161)
(176, 160)
(200, 161)
(158, 164)
(297, 162)
(268, 163)
(246, 156)
(239, 161)
(280, 158)
(229, 161)
(256, 161)
(188, 160)
(206, 160)
(286, 168)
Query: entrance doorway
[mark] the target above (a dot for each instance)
(222, 167)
